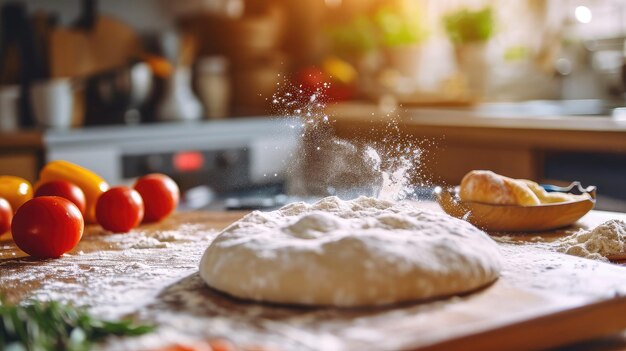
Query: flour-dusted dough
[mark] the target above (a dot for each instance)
(349, 253)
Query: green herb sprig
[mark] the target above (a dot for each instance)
(46, 326)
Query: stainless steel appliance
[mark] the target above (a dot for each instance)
(209, 160)
(607, 58)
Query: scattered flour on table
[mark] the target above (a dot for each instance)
(607, 239)
(158, 240)
(111, 274)
(507, 239)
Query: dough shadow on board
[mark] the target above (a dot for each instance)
(191, 295)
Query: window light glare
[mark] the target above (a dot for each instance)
(583, 14)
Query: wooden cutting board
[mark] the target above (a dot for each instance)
(78, 53)
(543, 299)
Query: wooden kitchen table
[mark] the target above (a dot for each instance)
(543, 299)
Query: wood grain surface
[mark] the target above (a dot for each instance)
(542, 300)
(515, 218)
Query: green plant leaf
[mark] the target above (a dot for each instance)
(47, 326)
(467, 26)
(399, 29)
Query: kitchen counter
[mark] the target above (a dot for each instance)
(32, 139)
(151, 273)
(222, 129)
(601, 133)
(517, 143)
(545, 148)
(40, 138)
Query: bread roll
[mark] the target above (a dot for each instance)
(489, 187)
(550, 198)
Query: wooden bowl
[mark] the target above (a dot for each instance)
(510, 218)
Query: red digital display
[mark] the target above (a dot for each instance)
(188, 161)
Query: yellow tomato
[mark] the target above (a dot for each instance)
(340, 70)
(90, 183)
(15, 190)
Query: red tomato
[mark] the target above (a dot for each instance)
(211, 345)
(47, 226)
(120, 209)
(311, 79)
(6, 215)
(160, 196)
(65, 190)
(222, 345)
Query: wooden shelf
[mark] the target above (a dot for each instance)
(27, 139)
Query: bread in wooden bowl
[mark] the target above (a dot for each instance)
(491, 188)
(553, 197)
(494, 202)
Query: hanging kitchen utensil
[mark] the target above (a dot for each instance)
(43, 23)
(88, 15)
(9, 50)
(21, 63)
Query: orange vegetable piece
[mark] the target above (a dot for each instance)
(89, 182)
(15, 190)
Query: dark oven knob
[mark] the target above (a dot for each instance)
(226, 159)
(154, 164)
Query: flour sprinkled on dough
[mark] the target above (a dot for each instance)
(349, 253)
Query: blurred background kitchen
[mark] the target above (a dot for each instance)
(527, 88)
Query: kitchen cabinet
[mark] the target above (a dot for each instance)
(23, 165)
(21, 154)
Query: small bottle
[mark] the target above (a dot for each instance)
(178, 102)
(214, 86)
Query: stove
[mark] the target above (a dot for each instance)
(212, 160)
